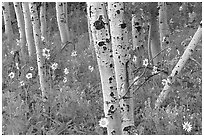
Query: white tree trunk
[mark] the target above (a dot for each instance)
(119, 39)
(155, 44)
(163, 26)
(40, 59)
(186, 55)
(61, 20)
(137, 38)
(101, 38)
(8, 27)
(21, 28)
(29, 31)
(43, 22)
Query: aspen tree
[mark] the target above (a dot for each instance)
(8, 27)
(101, 38)
(91, 44)
(43, 22)
(28, 31)
(137, 38)
(21, 28)
(61, 20)
(119, 39)
(163, 26)
(66, 18)
(183, 59)
(40, 59)
(155, 44)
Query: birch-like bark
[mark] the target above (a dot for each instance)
(29, 31)
(91, 44)
(21, 28)
(43, 22)
(155, 44)
(66, 18)
(183, 59)
(40, 60)
(8, 27)
(137, 38)
(101, 38)
(119, 39)
(61, 20)
(163, 26)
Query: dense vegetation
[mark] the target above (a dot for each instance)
(75, 100)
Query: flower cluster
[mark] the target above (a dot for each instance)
(46, 53)
(54, 66)
(145, 62)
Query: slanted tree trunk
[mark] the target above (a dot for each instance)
(101, 38)
(119, 39)
(43, 22)
(21, 28)
(186, 55)
(40, 60)
(61, 20)
(8, 27)
(163, 26)
(155, 44)
(137, 38)
(29, 31)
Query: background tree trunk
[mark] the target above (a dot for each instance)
(155, 44)
(137, 38)
(119, 39)
(21, 27)
(61, 22)
(163, 26)
(40, 60)
(28, 31)
(101, 38)
(43, 22)
(186, 55)
(8, 27)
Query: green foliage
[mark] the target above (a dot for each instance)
(75, 103)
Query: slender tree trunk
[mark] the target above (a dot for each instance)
(61, 22)
(66, 18)
(155, 44)
(8, 27)
(43, 22)
(29, 31)
(186, 55)
(149, 45)
(91, 44)
(137, 38)
(101, 37)
(40, 59)
(163, 26)
(119, 39)
(21, 28)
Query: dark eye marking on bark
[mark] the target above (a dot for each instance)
(123, 25)
(101, 43)
(99, 24)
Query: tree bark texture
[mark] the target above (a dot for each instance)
(61, 20)
(29, 31)
(183, 59)
(40, 60)
(8, 27)
(119, 39)
(99, 26)
(21, 28)
(155, 44)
